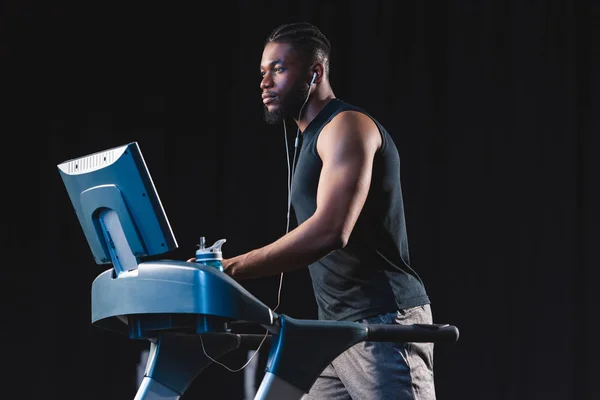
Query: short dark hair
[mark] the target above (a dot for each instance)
(306, 39)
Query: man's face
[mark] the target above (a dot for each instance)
(283, 85)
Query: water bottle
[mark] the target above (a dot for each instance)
(212, 255)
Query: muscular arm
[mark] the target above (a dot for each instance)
(347, 146)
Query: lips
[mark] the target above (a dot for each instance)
(268, 98)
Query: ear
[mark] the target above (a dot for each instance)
(317, 73)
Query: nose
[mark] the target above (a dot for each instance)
(266, 82)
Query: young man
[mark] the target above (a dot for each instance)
(351, 229)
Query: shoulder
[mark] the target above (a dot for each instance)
(349, 128)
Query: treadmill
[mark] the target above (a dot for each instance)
(186, 310)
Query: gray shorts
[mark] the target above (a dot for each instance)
(381, 370)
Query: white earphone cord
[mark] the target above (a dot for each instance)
(287, 228)
(290, 181)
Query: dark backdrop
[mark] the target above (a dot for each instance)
(493, 106)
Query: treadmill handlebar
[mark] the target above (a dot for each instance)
(435, 333)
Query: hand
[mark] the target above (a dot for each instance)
(226, 264)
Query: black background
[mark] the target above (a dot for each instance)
(493, 106)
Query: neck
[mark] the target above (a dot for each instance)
(317, 100)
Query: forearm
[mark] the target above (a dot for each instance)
(302, 246)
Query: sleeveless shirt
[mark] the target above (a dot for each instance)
(372, 273)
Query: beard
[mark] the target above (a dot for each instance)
(289, 105)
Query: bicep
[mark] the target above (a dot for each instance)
(347, 150)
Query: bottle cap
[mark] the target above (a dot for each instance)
(210, 253)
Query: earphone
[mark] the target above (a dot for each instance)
(291, 178)
(291, 174)
(290, 182)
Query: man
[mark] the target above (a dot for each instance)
(351, 229)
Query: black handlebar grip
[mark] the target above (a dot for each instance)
(435, 333)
